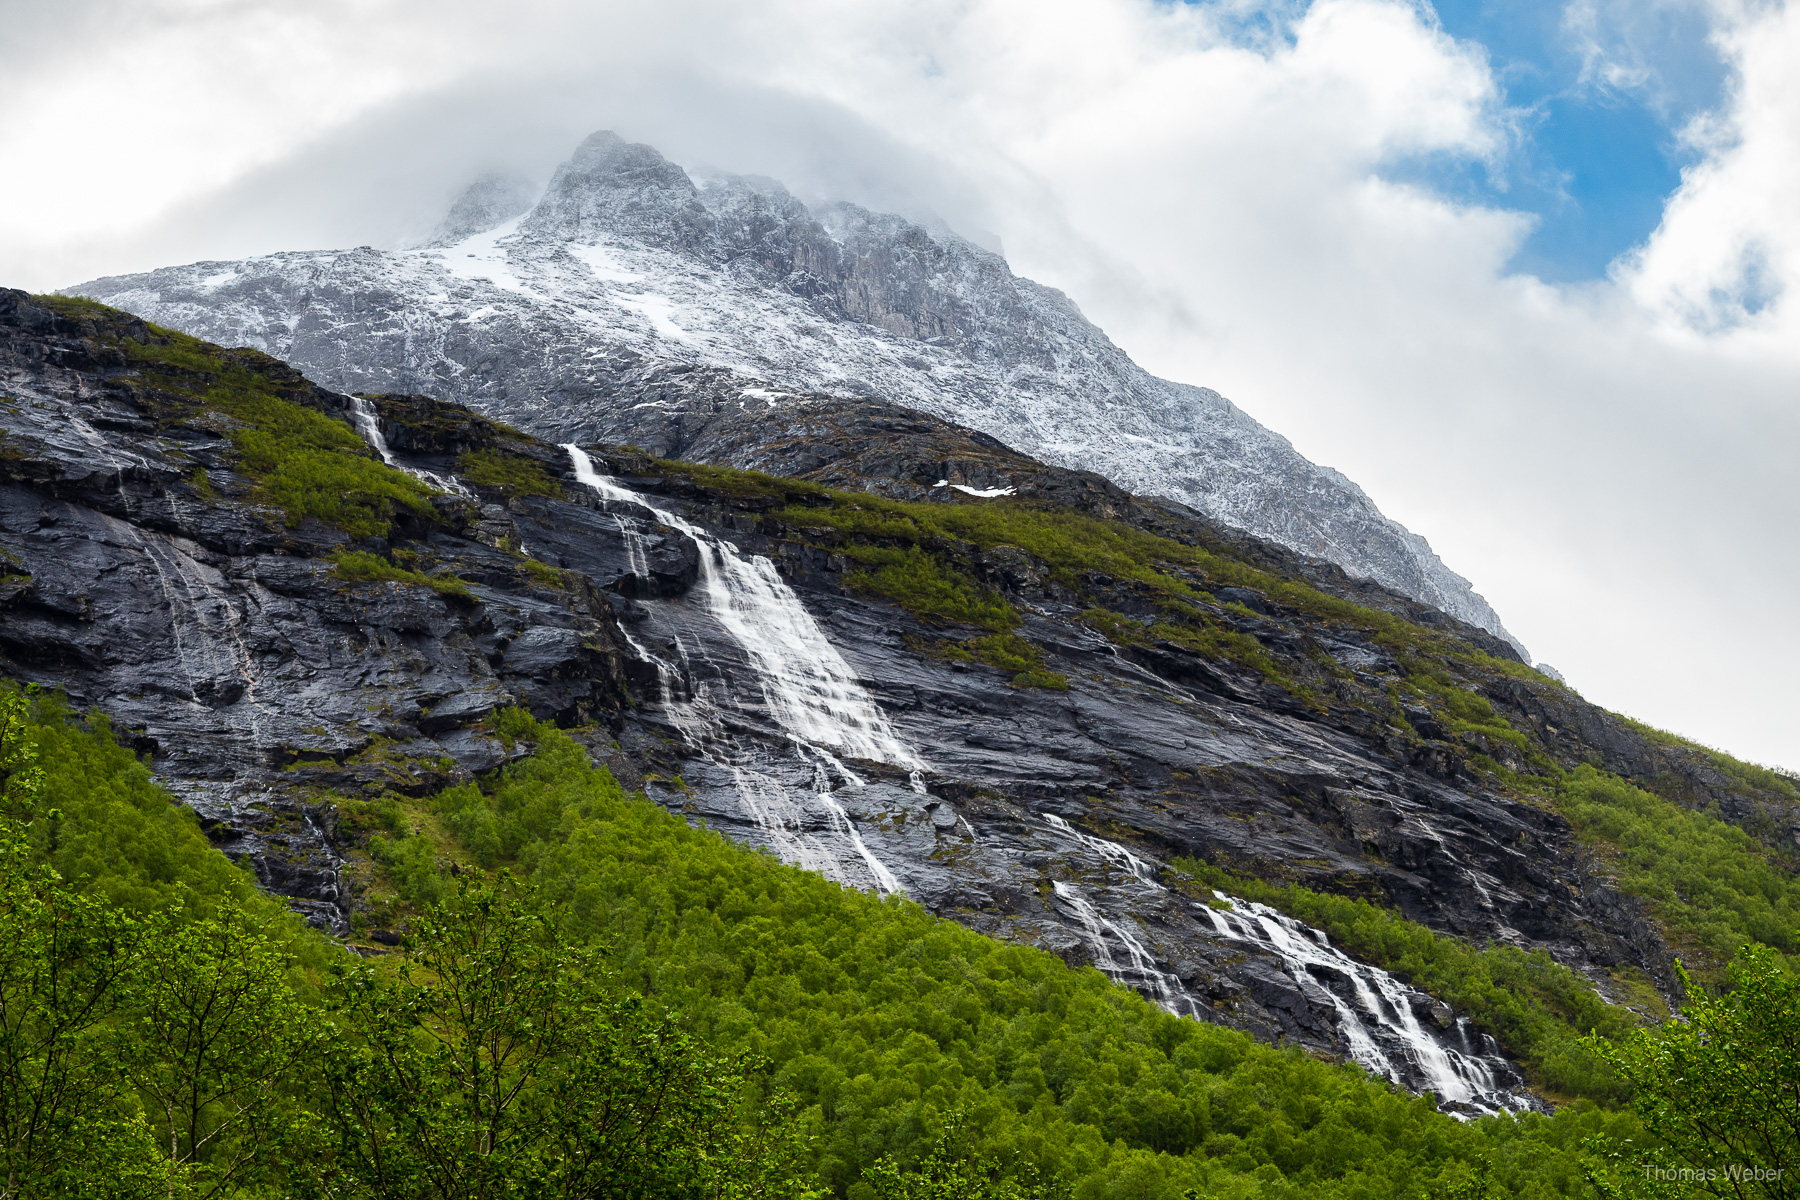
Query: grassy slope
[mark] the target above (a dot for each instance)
(1711, 886)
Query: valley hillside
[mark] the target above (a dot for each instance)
(398, 803)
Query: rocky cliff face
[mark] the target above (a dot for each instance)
(631, 295)
(141, 572)
(709, 636)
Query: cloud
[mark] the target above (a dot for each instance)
(1222, 186)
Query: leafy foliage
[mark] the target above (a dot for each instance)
(951, 1171)
(509, 473)
(502, 1061)
(1709, 882)
(179, 1054)
(303, 462)
(1721, 1086)
(108, 830)
(885, 1022)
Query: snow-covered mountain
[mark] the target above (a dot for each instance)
(586, 316)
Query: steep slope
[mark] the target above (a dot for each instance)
(1017, 709)
(586, 317)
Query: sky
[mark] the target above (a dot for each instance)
(1523, 270)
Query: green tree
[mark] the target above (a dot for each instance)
(64, 1126)
(1721, 1085)
(61, 961)
(214, 1042)
(953, 1170)
(503, 1062)
(20, 777)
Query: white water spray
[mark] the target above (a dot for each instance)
(1383, 1007)
(1112, 852)
(1140, 969)
(810, 690)
(806, 685)
(362, 415)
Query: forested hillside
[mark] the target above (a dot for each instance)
(691, 994)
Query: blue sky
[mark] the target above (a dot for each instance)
(1600, 91)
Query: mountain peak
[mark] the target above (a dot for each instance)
(613, 187)
(628, 268)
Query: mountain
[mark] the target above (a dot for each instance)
(1069, 717)
(631, 301)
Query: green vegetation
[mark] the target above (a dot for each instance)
(886, 1022)
(212, 1050)
(359, 566)
(1172, 580)
(108, 829)
(923, 1059)
(1710, 884)
(509, 473)
(1538, 1010)
(1721, 1086)
(303, 462)
(918, 583)
(543, 574)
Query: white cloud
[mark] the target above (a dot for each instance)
(1610, 462)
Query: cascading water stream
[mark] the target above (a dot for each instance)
(806, 686)
(362, 415)
(197, 603)
(810, 690)
(1112, 852)
(1383, 1009)
(1140, 970)
(1459, 1076)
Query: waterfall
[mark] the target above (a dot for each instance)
(1379, 1027)
(197, 602)
(1140, 970)
(1383, 1009)
(806, 687)
(362, 415)
(810, 690)
(1112, 852)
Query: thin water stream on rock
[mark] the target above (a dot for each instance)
(805, 685)
(820, 706)
(362, 415)
(1378, 1019)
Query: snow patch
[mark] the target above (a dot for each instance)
(656, 310)
(481, 257)
(604, 266)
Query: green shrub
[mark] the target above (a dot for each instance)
(511, 474)
(917, 582)
(110, 830)
(302, 461)
(887, 1021)
(1709, 883)
(360, 566)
